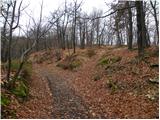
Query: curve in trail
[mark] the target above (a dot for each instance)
(66, 103)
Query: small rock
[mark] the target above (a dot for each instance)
(154, 80)
(93, 114)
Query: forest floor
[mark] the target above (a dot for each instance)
(113, 83)
(37, 105)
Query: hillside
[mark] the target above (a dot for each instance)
(110, 83)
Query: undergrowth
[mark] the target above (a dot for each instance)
(70, 62)
(19, 88)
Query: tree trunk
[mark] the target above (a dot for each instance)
(83, 38)
(74, 30)
(130, 27)
(117, 32)
(10, 41)
(139, 8)
(144, 34)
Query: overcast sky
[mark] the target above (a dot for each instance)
(33, 8)
(50, 5)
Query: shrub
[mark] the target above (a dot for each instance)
(91, 52)
(21, 89)
(4, 100)
(23, 76)
(74, 64)
(58, 55)
(69, 65)
(26, 70)
(70, 62)
(105, 61)
(15, 64)
(115, 59)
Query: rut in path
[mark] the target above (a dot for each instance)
(66, 103)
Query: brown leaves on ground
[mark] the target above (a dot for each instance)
(39, 104)
(119, 90)
(130, 75)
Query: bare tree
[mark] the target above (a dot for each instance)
(14, 20)
(24, 55)
(76, 7)
(154, 7)
(74, 29)
(5, 14)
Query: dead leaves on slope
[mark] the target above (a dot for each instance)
(121, 89)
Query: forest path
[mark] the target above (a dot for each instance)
(75, 93)
(66, 103)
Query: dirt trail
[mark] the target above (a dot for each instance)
(66, 103)
(76, 95)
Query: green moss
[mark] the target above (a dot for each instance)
(21, 90)
(105, 61)
(4, 100)
(116, 59)
(75, 64)
(27, 70)
(15, 64)
(69, 64)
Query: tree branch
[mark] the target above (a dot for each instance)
(19, 12)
